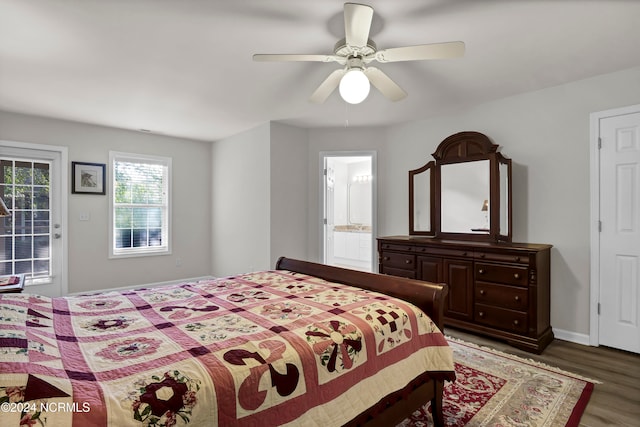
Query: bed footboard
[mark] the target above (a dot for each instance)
(429, 297)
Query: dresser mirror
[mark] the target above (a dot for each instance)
(464, 202)
(464, 194)
(421, 200)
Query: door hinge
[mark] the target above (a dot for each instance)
(598, 309)
(599, 143)
(324, 221)
(600, 226)
(324, 172)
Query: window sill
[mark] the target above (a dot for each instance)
(140, 253)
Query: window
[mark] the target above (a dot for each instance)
(140, 200)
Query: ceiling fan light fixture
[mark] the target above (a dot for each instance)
(354, 86)
(356, 51)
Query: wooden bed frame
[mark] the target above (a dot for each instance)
(429, 297)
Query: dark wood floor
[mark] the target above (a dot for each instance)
(615, 402)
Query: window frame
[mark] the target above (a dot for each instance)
(165, 249)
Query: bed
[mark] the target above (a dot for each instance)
(304, 344)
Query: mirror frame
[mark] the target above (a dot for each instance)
(460, 148)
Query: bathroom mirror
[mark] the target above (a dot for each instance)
(465, 194)
(359, 203)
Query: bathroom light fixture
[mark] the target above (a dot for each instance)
(4, 211)
(354, 86)
(362, 178)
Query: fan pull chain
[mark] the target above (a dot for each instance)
(346, 114)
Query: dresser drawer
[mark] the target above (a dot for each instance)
(502, 257)
(442, 252)
(397, 247)
(502, 295)
(511, 275)
(502, 318)
(399, 272)
(397, 260)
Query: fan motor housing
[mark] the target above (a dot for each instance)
(343, 49)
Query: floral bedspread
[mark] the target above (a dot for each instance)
(266, 348)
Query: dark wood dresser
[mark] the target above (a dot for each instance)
(500, 290)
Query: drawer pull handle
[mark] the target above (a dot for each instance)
(516, 276)
(481, 314)
(482, 255)
(517, 298)
(517, 259)
(482, 292)
(407, 261)
(516, 323)
(386, 258)
(464, 254)
(481, 271)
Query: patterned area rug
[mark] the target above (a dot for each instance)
(500, 390)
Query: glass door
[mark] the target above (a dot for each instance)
(31, 238)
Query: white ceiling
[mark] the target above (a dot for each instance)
(184, 67)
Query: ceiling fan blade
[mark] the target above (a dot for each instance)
(384, 84)
(327, 87)
(260, 57)
(421, 52)
(357, 23)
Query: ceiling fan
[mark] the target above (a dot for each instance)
(356, 51)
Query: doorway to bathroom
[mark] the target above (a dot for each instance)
(348, 209)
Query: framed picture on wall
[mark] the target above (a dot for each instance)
(88, 178)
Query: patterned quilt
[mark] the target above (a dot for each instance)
(266, 348)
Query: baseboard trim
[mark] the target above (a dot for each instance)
(146, 285)
(571, 336)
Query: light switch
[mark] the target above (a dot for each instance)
(85, 216)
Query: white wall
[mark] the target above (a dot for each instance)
(89, 266)
(259, 188)
(241, 202)
(288, 192)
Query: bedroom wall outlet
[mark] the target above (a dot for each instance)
(84, 216)
(178, 262)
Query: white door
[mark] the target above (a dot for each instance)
(32, 238)
(619, 296)
(329, 250)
